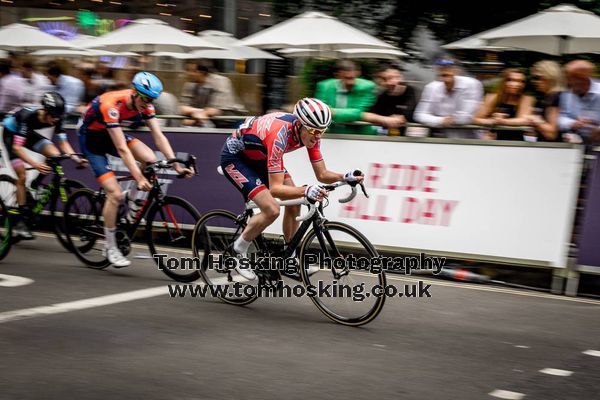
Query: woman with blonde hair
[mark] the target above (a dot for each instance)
(508, 106)
(547, 79)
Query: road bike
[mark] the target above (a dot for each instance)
(168, 221)
(328, 244)
(39, 195)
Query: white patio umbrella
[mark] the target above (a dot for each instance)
(385, 54)
(313, 30)
(563, 29)
(82, 53)
(475, 42)
(232, 50)
(25, 38)
(148, 36)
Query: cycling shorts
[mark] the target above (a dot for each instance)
(249, 177)
(34, 141)
(96, 145)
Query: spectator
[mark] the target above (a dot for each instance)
(207, 95)
(451, 100)
(349, 97)
(547, 80)
(12, 88)
(395, 105)
(167, 104)
(69, 87)
(508, 106)
(36, 84)
(580, 106)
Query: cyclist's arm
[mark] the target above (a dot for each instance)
(160, 139)
(324, 175)
(20, 152)
(118, 138)
(281, 191)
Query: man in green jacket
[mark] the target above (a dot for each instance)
(349, 97)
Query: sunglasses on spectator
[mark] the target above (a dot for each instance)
(537, 77)
(315, 131)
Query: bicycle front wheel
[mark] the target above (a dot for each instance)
(84, 227)
(213, 239)
(62, 194)
(335, 248)
(169, 227)
(5, 230)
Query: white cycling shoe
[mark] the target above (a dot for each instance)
(245, 273)
(115, 257)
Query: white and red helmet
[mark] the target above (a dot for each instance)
(313, 113)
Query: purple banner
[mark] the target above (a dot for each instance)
(206, 191)
(589, 248)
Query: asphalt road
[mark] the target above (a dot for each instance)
(116, 334)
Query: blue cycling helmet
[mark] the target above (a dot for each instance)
(147, 84)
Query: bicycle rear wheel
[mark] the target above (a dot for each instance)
(352, 301)
(8, 191)
(169, 228)
(212, 240)
(84, 227)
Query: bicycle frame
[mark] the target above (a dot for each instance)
(51, 190)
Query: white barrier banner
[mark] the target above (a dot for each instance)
(479, 200)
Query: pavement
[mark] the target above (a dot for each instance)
(70, 332)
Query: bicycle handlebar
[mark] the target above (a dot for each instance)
(312, 207)
(164, 164)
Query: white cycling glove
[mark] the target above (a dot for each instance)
(312, 192)
(352, 176)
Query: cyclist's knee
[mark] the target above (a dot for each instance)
(21, 176)
(114, 196)
(271, 212)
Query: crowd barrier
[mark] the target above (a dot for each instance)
(494, 201)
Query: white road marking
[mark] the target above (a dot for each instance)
(594, 353)
(83, 304)
(506, 394)
(14, 281)
(556, 372)
(520, 346)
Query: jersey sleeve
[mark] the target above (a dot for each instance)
(314, 154)
(59, 133)
(20, 135)
(110, 114)
(149, 112)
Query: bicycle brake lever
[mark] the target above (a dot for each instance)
(362, 187)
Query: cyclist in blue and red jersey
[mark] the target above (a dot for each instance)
(101, 134)
(252, 160)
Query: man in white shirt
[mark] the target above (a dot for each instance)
(35, 84)
(69, 87)
(11, 88)
(451, 100)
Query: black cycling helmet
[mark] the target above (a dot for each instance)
(54, 104)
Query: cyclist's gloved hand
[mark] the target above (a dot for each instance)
(315, 193)
(354, 177)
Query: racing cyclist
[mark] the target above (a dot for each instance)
(20, 133)
(252, 160)
(101, 134)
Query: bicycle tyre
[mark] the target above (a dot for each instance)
(75, 224)
(202, 241)
(150, 218)
(368, 248)
(70, 186)
(6, 236)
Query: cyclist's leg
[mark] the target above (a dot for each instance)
(144, 154)
(106, 177)
(290, 225)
